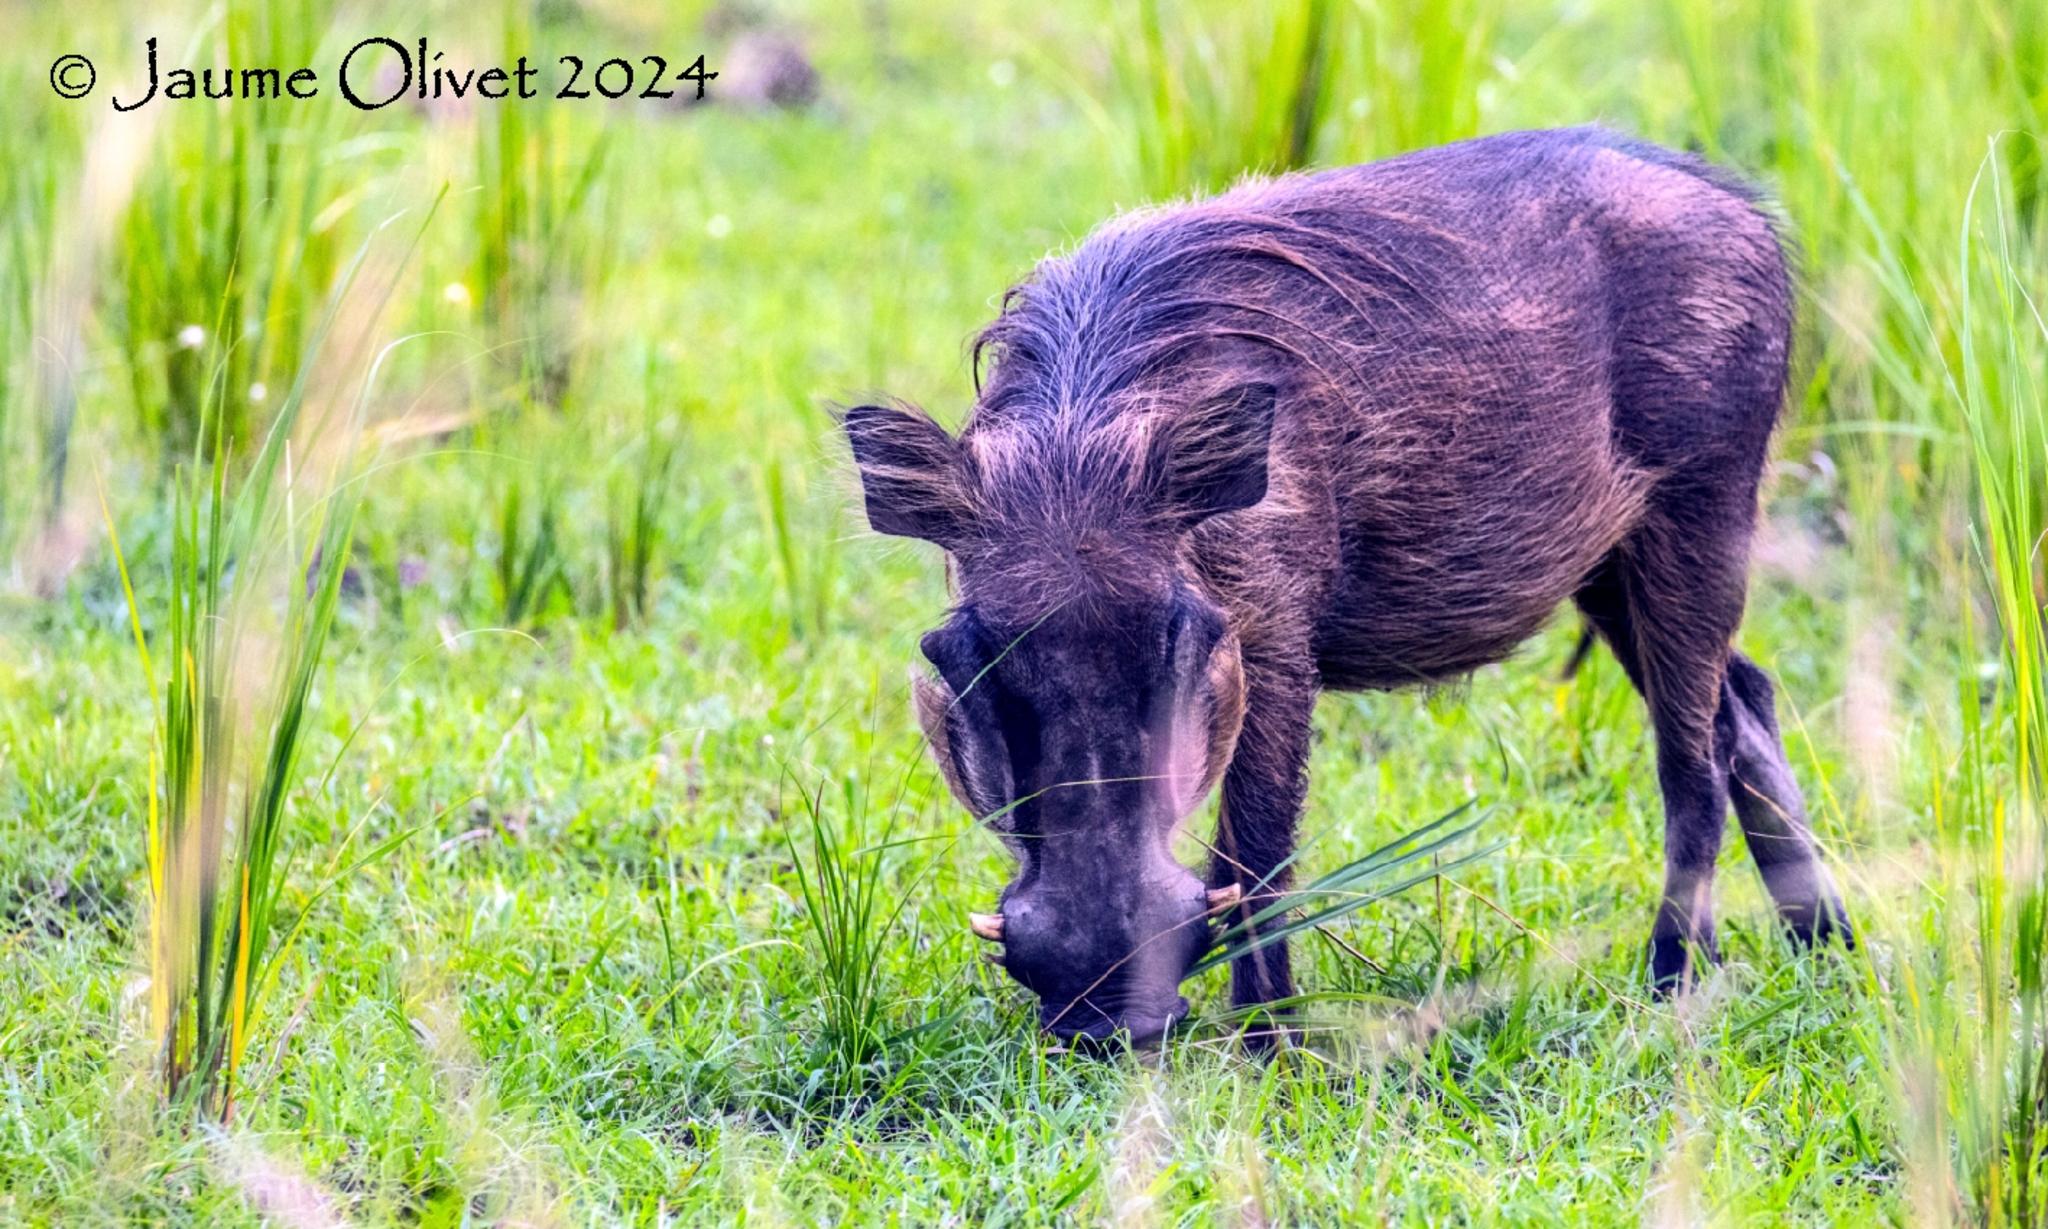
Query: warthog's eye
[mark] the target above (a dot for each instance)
(1192, 629)
(955, 649)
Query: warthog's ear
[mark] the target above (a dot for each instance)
(913, 475)
(1212, 458)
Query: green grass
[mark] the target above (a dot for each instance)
(228, 255)
(542, 238)
(611, 968)
(851, 915)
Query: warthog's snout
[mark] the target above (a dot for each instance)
(1105, 974)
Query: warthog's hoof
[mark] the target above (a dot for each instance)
(1677, 964)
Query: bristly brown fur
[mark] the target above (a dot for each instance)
(1444, 394)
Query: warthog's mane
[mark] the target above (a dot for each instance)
(1086, 376)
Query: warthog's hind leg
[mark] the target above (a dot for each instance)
(1667, 604)
(1768, 804)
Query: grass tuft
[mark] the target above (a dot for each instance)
(1202, 94)
(252, 591)
(635, 538)
(852, 915)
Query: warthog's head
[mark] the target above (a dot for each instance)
(1086, 692)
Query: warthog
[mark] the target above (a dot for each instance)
(1361, 428)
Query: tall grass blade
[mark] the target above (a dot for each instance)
(1348, 888)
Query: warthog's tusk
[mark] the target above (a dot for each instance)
(1224, 897)
(987, 926)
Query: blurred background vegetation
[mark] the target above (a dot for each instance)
(537, 394)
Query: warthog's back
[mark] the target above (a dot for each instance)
(1489, 355)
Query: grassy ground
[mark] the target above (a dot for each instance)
(585, 986)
